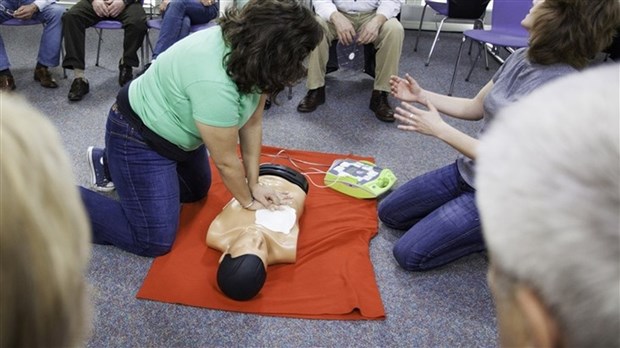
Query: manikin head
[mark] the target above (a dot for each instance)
(548, 179)
(243, 265)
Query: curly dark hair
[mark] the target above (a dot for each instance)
(572, 31)
(269, 40)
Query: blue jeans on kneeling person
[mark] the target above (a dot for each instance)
(438, 212)
(144, 220)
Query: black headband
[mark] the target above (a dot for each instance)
(286, 173)
(242, 277)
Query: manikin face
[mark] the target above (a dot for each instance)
(529, 20)
(250, 241)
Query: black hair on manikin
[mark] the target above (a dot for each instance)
(242, 277)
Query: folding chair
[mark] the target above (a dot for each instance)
(506, 31)
(472, 10)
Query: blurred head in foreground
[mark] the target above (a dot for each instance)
(44, 235)
(549, 199)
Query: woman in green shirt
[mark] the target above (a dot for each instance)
(202, 97)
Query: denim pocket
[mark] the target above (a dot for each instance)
(118, 126)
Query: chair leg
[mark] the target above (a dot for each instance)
(486, 57)
(62, 57)
(149, 45)
(141, 65)
(456, 65)
(481, 47)
(428, 60)
(478, 24)
(289, 94)
(100, 32)
(415, 48)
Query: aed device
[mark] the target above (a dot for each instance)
(360, 179)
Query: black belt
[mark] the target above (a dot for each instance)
(152, 139)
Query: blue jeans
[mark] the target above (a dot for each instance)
(150, 187)
(49, 47)
(438, 210)
(177, 19)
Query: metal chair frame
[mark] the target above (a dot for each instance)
(444, 10)
(506, 32)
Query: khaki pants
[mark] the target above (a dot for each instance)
(389, 44)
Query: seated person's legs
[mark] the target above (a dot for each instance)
(74, 23)
(134, 24)
(7, 82)
(389, 47)
(317, 66)
(177, 19)
(50, 46)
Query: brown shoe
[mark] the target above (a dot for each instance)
(379, 104)
(7, 83)
(44, 76)
(312, 100)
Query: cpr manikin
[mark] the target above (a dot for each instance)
(252, 240)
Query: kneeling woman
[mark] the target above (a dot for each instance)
(202, 97)
(438, 209)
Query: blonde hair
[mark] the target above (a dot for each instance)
(44, 235)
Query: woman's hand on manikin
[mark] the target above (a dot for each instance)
(267, 197)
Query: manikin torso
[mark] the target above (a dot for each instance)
(271, 235)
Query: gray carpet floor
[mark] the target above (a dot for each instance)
(447, 307)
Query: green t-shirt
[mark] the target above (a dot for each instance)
(186, 84)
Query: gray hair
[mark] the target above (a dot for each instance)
(44, 235)
(548, 176)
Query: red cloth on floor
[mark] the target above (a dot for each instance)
(332, 278)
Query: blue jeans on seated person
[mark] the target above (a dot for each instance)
(177, 19)
(150, 188)
(49, 47)
(438, 210)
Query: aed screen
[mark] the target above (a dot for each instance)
(355, 171)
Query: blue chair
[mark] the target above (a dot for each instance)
(471, 10)
(20, 22)
(506, 31)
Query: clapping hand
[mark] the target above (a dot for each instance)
(427, 122)
(405, 89)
